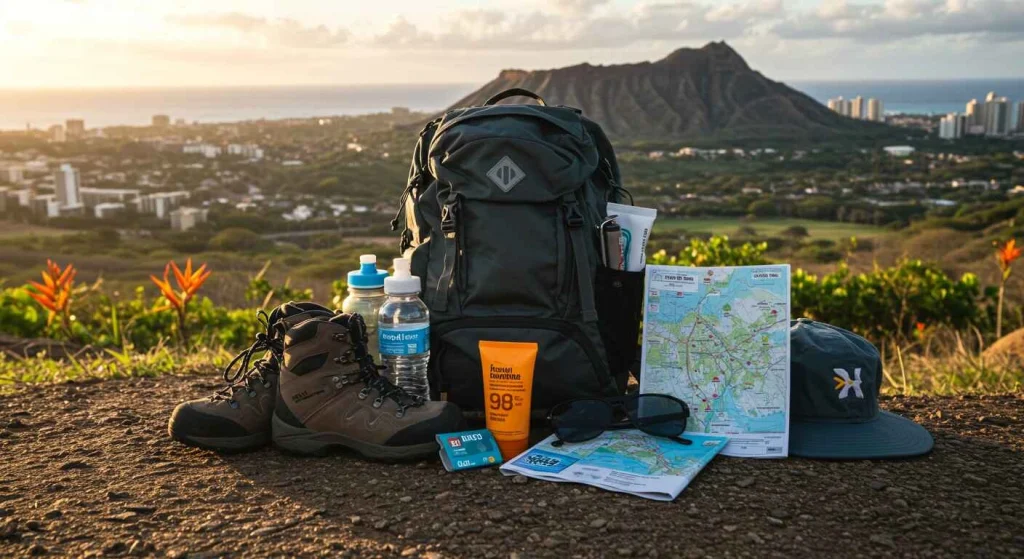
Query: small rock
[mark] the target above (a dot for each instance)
(878, 485)
(50, 515)
(117, 495)
(115, 548)
(977, 481)
(775, 521)
(141, 509)
(405, 499)
(34, 525)
(882, 539)
(75, 465)
(16, 424)
(519, 479)
(9, 530)
(745, 482)
(598, 523)
(176, 554)
(754, 538)
(443, 495)
(624, 551)
(995, 421)
(409, 552)
(264, 531)
(380, 524)
(900, 503)
(729, 527)
(356, 520)
(37, 550)
(495, 515)
(780, 513)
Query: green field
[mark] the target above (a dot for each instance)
(767, 227)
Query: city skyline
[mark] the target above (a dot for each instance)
(117, 43)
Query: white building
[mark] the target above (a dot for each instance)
(106, 210)
(875, 110)
(951, 127)
(997, 116)
(67, 184)
(186, 218)
(93, 197)
(973, 111)
(12, 174)
(160, 204)
(857, 109)
(1020, 117)
(899, 151)
(251, 151)
(57, 134)
(206, 150)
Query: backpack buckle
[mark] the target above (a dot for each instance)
(573, 216)
(448, 214)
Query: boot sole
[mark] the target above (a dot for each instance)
(314, 443)
(224, 444)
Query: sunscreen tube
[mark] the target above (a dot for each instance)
(636, 223)
(508, 386)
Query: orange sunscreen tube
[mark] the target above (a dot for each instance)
(508, 385)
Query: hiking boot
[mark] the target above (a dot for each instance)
(237, 417)
(332, 395)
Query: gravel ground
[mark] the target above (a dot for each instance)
(88, 469)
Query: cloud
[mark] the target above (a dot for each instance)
(281, 32)
(903, 19)
(576, 26)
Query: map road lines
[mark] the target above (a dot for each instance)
(718, 338)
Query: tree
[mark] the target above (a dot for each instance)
(236, 239)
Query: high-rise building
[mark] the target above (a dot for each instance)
(875, 111)
(57, 134)
(973, 112)
(12, 174)
(833, 104)
(1020, 117)
(844, 107)
(997, 116)
(950, 127)
(75, 127)
(161, 121)
(857, 107)
(185, 218)
(67, 184)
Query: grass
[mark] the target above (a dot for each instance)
(108, 364)
(947, 363)
(768, 227)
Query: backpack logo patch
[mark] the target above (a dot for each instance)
(506, 174)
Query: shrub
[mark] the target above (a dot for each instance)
(716, 251)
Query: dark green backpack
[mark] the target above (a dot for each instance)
(501, 214)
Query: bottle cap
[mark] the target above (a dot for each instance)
(511, 449)
(367, 276)
(403, 282)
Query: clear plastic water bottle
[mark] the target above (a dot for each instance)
(365, 296)
(403, 328)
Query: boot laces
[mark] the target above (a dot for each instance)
(239, 375)
(369, 373)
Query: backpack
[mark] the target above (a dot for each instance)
(501, 216)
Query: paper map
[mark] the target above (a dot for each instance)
(718, 339)
(624, 461)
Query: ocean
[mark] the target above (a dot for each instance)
(109, 107)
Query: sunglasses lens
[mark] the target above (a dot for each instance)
(581, 420)
(658, 415)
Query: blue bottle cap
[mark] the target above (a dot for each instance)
(367, 276)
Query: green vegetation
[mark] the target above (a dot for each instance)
(769, 227)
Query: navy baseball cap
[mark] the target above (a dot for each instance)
(835, 378)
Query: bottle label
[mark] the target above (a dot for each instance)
(404, 340)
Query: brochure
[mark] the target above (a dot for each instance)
(627, 461)
(718, 339)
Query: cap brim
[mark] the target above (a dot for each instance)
(888, 436)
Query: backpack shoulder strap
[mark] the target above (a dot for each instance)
(419, 178)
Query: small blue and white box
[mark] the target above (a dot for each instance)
(468, 449)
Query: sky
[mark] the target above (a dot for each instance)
(160, 43)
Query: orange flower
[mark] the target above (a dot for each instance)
(54, 294)
(920, 327)
(1007, 255)
(188, 282)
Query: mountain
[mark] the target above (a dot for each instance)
(691, 94)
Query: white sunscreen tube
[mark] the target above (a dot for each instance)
(636, 223)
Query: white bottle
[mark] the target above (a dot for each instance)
(403, 327)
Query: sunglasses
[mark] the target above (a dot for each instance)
(659, 415)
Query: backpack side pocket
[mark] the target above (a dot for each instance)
(619, 297)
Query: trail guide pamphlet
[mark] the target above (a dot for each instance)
(718, 339)
(624, 461)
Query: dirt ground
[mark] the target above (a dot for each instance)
(88, 469)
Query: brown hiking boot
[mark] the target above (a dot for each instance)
(332, 395)
(237, 417)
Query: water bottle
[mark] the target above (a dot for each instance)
(403, 328)
(365, 296)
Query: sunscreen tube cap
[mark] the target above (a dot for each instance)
(511, 449)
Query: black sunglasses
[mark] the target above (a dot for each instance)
(659, 415)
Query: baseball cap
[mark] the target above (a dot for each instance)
(835, 378)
